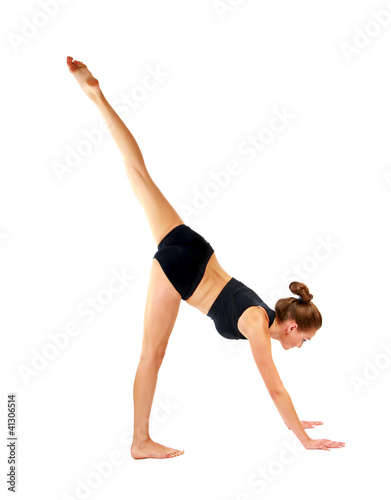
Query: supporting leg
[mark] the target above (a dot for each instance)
(161, 311)
(143, 392)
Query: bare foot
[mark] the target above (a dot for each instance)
(150, 449)
(87, 82)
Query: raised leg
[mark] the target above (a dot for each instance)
(161, 216)
(161, 311)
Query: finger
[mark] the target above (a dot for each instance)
(308, 423)
(335, 444)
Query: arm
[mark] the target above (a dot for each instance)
(260, 345)
(259, 339)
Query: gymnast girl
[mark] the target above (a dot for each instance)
(185, 267)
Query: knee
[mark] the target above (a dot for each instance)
(134, 170)
(154, 357)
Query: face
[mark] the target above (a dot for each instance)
(293, 337)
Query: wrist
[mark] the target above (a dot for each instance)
(300, 433)
(304, 440)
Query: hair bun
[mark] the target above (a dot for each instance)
(300, 289)
(306, 298)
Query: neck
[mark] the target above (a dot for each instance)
(273, 330)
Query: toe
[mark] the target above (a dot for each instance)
(71, 65)
(74, 65)
(176, 453)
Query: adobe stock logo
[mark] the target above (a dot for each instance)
(387, 177)
(3, 237)
(224, 7)
(91, 139)
(250, 148)
(88, 309)
(363, 36)
(101, 471)
(310, 263)
(30, 27)
(265, 476)
(372, 369)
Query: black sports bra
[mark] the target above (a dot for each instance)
(230, 304)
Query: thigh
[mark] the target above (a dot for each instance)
(161, 311)
(161, 215)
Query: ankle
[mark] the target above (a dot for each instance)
(140, 439)
(95, 95)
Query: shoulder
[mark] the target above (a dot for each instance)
(253, 318)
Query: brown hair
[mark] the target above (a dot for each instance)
(302, 311)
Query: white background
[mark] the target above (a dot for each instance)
(325, 177)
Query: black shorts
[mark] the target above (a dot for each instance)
(183, 255)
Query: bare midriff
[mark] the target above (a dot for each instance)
(208, 289)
